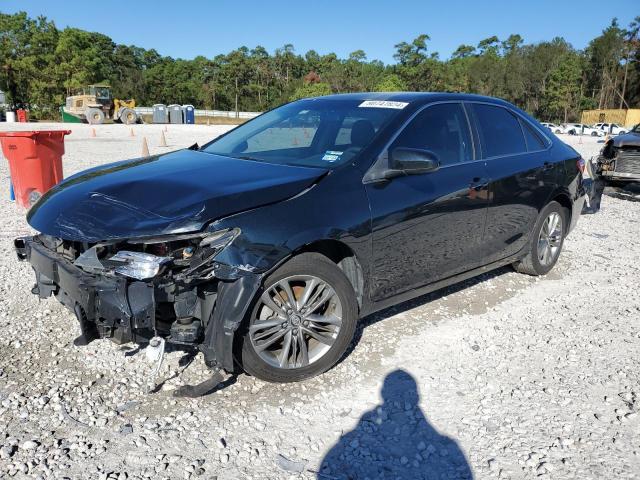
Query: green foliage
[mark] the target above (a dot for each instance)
(40, 65)
(391, 83)
(563, 90)
(311, 90)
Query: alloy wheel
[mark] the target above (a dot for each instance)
(296, 322)
(550, 239)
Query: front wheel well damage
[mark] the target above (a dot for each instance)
(344, 258)
(224, 345)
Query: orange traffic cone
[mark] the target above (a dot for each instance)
(163, 140)
(145, 147)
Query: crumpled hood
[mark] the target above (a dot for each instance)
(172, 193)
(626, 140)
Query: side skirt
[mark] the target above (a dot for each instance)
(446, 282)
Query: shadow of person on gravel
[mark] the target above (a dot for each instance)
(395, 441)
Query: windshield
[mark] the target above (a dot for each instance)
(636, 129)
(102, 92)
(314, 133)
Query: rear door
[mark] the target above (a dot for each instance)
(522, 177)
(429, 226)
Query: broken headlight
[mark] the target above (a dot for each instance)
(138, 265)
(145, 258)
(192, 252)
(210, 246)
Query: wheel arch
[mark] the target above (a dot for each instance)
(563, 199)
(344, 257)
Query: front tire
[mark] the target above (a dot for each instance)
(546, 241)
(302, 323)
(128, 116)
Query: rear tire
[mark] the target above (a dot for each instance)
(308, 278)
(546, 241)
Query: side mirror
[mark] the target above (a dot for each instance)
(411, 161)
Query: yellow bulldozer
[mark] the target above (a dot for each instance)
(94, 104)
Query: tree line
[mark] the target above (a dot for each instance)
(40, 65)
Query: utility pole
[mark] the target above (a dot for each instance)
(237, 114)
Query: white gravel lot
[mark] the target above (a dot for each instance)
(504, 376)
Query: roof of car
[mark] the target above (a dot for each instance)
(415, 97)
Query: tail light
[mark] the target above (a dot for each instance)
(581, 164)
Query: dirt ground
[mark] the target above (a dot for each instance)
(502, 376)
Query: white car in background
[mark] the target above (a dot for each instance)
(552, 126)
(611, 128)
(580, 129)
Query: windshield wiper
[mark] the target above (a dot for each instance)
(246, 157)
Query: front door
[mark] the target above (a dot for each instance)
(429, 226)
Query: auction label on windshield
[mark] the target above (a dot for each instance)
(383, 104)
(331, 156)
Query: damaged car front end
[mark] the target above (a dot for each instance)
(619, 160)
(135, 290)
(132, 248)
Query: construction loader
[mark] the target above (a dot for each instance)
(95, 104)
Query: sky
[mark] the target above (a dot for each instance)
(199, 27)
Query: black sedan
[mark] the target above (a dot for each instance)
(264, 247)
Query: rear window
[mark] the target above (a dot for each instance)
(499, 130)
(534, 142)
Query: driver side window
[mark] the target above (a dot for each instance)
(442, 129)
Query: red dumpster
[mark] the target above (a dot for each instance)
(35, 162)
(23, 116)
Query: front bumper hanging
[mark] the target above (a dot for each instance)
(126, 310)
(112, 307)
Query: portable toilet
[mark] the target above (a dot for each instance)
(189, 113)
(175, 113)
(160, 113)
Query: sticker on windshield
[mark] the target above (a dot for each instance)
(383, 104)
(331, 156)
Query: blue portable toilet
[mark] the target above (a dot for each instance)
(189, 114)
